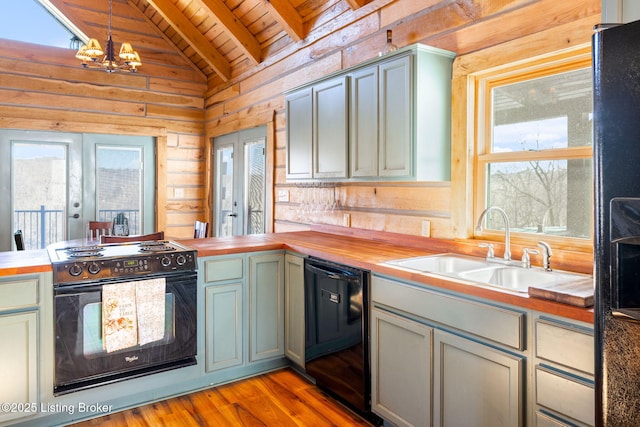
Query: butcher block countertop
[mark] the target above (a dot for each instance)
(364, 253)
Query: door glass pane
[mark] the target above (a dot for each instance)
(224, 191)
(254, 186)
(39, 177)
(119, 187)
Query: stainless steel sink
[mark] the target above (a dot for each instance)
(481, 272)
(443, 263)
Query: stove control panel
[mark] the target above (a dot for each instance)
(83, 270)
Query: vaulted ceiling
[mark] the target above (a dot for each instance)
(214, 36)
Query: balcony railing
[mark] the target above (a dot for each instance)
(42, 227)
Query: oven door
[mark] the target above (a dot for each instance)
(81, 360)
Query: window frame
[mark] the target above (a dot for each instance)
(483, 84)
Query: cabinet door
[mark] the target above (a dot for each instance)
(330, 128)
(475, 385)
(363, 123)
(19, 355)
(395, 117)
(294, 308)
(266, 302)
(299, 134)
(223, 326)
(400, 369)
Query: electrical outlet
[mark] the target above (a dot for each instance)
(426, 228)
(346, 220)
(178, 193)
(283, 195)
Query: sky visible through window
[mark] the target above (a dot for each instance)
(29, 21)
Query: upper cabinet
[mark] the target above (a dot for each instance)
(620, 11)
(389, 118)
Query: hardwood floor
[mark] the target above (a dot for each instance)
(280, 398)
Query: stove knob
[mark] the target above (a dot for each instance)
(181, 260)
(75, 270)
(165, 261)
(94, 268)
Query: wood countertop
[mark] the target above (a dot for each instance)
(365, 253)
(369, 254)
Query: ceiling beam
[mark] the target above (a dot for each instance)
(287, 16)
(195, 38)
(238, 32)
(356, 4)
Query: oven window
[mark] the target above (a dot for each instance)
(91, 321)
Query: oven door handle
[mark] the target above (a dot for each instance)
(80, 287)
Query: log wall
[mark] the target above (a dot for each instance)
(483, 33)
(45, 88)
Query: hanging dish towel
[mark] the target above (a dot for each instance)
(150, 297)
(119, 318)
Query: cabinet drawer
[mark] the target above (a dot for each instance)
(498, 324)
(223, 269)
(18, 293)
(565, 344)
(568, 395)
(545, 420)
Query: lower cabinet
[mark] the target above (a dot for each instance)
(223, 325)
(475, 384)
(243, 309)
(19, 350)
(294, 320)
(266, 306)
(400, 369)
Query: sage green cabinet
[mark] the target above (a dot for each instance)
(459, 356)
(363, 123)
(294, 321)
(400, 369)
(266, 302)
(223, 325)
(475, 384)
(243, 309)
(317, 130)
(330, 133)
(563, 372)
(19, 352)
(299, 134)
(389, 117)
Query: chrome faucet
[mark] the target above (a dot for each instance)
(507, 233)
(546, 255)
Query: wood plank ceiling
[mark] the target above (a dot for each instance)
(218, 35)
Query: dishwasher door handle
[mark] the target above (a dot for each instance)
(331, 274)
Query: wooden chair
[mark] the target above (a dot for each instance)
(200, 230)
(95, 229)
(19, 240)
(140, 238)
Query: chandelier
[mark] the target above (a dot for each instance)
(127, 60)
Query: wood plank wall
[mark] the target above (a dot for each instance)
(507, 30)
(45, 88)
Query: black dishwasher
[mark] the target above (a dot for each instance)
(337, 332)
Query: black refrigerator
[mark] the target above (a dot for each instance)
(616, 66)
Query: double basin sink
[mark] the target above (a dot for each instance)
(479, 271)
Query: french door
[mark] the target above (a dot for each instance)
(54, 183)
(239, 182)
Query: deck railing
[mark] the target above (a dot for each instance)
(41, 227)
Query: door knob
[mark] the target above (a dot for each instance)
(233, 215)
(75, 216)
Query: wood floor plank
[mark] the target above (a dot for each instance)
(281, 398)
